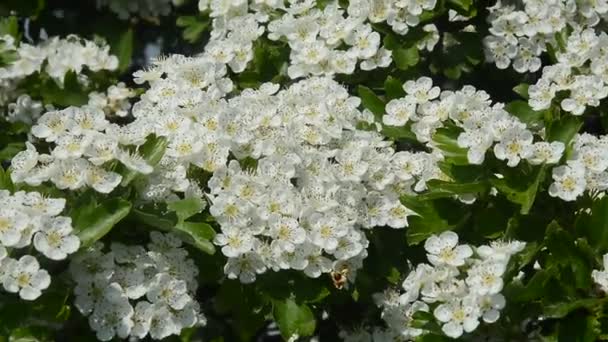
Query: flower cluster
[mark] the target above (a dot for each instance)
(26, 218)
(234, 30)
(58, 57)
(585, 169)
(24, 109)
(481, 124)
(460, 286)
(115, 101)
(84, 141)
(520, 34)
(581, 71)
(131, 291)
(183, 105)
(317, 181)
(324, 40)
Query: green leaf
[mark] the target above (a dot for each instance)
(565, 129)
(310, 290)
(152, 151)
(406, 58)
(427, 223)
(9, 26)
(525, 113)
(578, 327)
(534, 289)
(522, 259)
(371, 101)
(393, 88)
(572, 262)
(92, 222)
(521, 188)
(123, 49)
(595, 226)
(194, 27)
(6, 182)
(398, 133)
(561, 310)
(463, 7)
(457, 188)
(199, 234)
(11, 149)
(293, 319)
(522, 90)
(150, 216)
(71, 93)
(446, 139)
(186, 208)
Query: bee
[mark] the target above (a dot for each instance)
(340, 277)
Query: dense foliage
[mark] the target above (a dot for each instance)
(304, 170)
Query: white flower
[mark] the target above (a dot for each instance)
(364, 42)
(490, 306)
(421, 90)
(444, 250)
(23, 162)
(245, 267)
(286, 233)
(101, 180)
(399, 112)
(55, 240)
(134, 161)
(168, 290)
(326, 230)
(112, 316)
(26, 277)
(397, 216)
(12, 224)
(70, 174)
(54, 124)
(39, 205)
(477, 142)
(486, 277)
(162, 323)
(513, 146)
(568, 181)
(457, 316)
(142, 319)
(543, 152)
(381, 59)
(235, 241)
(500, 250)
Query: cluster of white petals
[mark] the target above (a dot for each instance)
(461, 286)
(56, 57)
(323, 39)
(585, 168)
(24, 109)
(581, 71)
(313, 180)
(318, 182)
(131, 291)
(115, 101)
(28, 218)
(520, 32)
(84, 148)
(482, 125)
